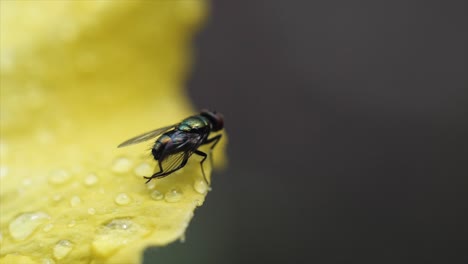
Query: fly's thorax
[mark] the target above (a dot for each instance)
(194, 123)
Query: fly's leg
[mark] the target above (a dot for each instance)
(214, 139)
(161, 173)
(208, 141)
(203, 154)
(156, 174)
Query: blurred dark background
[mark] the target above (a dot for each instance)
(348, 133)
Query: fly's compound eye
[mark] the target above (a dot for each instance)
(216, 119)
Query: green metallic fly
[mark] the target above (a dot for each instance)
(176, 143)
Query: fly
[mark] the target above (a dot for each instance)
(175, 144)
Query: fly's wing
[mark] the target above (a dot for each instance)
(177, 160)
(146, 136)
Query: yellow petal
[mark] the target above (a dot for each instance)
(77, 78)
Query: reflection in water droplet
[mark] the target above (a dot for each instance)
(115, 234)
(75, 201)
(156, 195)
(120, 224)
(91, 211)
(122, 199)
(47, 227)
(200, 186)
(25, 224)
(59, 177)
(121, 165)
(173, 195)
(62, 248)
(1, 237)
(91, 179)
(144, 169)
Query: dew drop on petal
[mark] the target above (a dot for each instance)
(62, 248)
(75, 201)
(182, 238)
(25, 224)
(91, 179)
(121, 165)
(122, 199)
(173, 196)
(199, 202)
(59, 177)
(47, 261)
(91, 211)
(150, 185)
(144, 169)
(115, 234)
(200, 186)
(156, 195)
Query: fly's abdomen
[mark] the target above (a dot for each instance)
(160, 145)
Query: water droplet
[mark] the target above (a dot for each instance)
(48, 261)
(173, 195)
(62, 248)
(200, 186)
(1, 237)
(121, 165)
(3, 171)
(47, 227)
(59, 177)
(72, 223)
(115, 234)
(91, 179)
(144, 169)
(75, 201)
(122, 199)
(150, 185)
(25, 224)
(156, 195)
(91, 211)
(199, 202)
